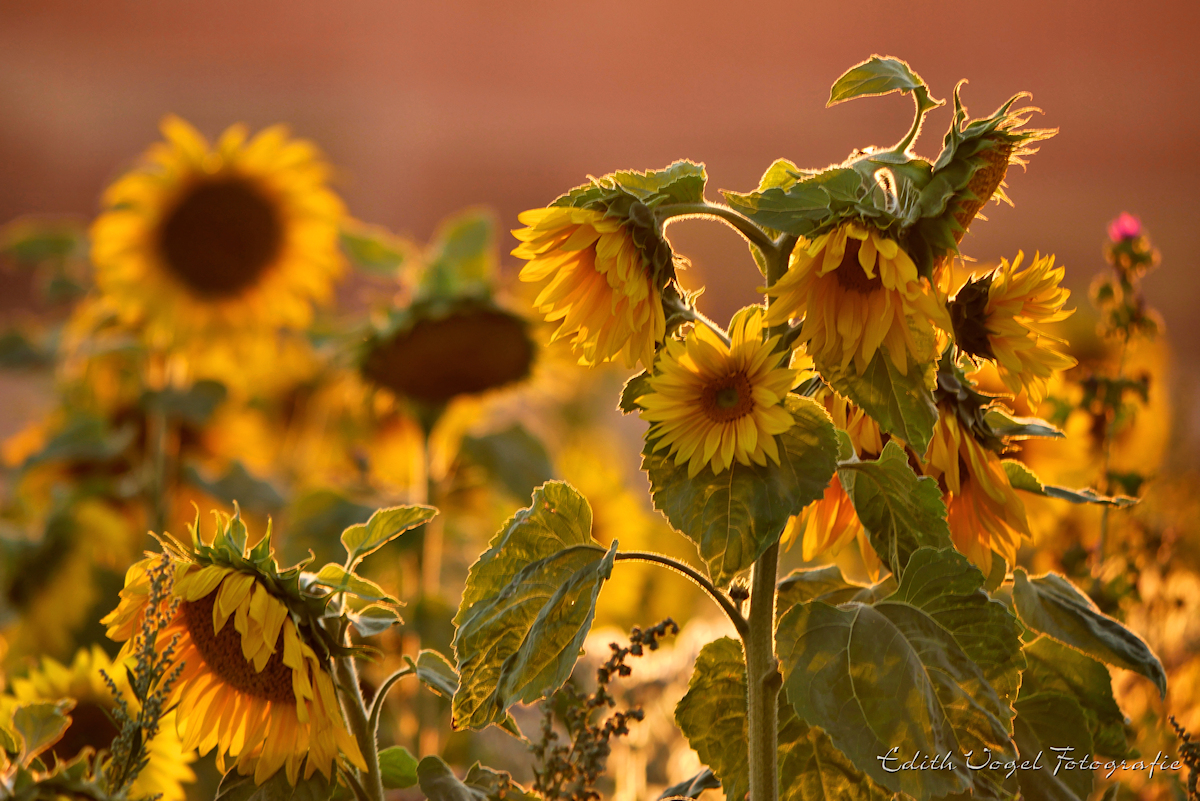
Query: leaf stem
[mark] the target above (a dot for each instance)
(743, 225)
(676, 306)
(356, 708)
(377, 702)
(723, 600)
(356, 787)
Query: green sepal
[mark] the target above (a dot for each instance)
(1052, 605)
(735, 516)
(900, 510)
(1022, 478)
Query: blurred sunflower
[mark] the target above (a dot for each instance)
(858, 291)
(91, 723)
(712, 403)
(829, 523)
(601, 286)
(236, 236)
(983, 510)
(998, 317)
(254, 688)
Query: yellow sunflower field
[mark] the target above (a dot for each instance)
(299, 506)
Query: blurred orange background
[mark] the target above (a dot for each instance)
(429, 107)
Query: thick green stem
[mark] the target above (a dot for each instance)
(360, 726)
(763, 680)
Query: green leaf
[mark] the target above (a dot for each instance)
(634, 388)
(41, 725)
(1005, 425)
(439, 783)
(900, 511)
(463, 257)
(383, 526)
(1022, 478)
(1046, 721)
(194, 405)
(85, 439)
(811, 768)
(237, 484)
(693, 786)
(878, 75)
(803, 206)
(436, 673)
(712, 714)
(527, 606)
(1051, 604)
(681, 182)
(338, 579)
(373, 619)
(235, 787)
(735, 516)
(1056, 668)
(902, 405)
(825, 584)
(513, 457)
(398, 768)
(374, 249)
(891, 676)
(947, 587)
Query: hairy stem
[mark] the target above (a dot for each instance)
(377, 702)
(723, 600)
(360, 726)
(763, 680)
(744, 226)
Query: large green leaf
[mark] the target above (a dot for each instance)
(527, 606)
(382, 527)
(712, 715)
(800, 207)
(513, 457)
(1022, 478)
(1055, 668)
(236, 787)
(878, 75)
(1046, 721)
(825, 584)
(902, 405)
(1051, 604)
(735, 516)
(40, 725)
(947, 587)
(900, 511)
(892, 676)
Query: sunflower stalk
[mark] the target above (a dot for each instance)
(360, 726)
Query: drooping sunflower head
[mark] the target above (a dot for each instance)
(983, 510)
(238, 236)
(91, 722)
(1000, 316)
(711, 403)
(858, 293)
(256, 681)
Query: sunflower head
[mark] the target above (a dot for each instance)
(199, 238)
(87, 681)
(256, 679)
(858, 293)
(711, 402)
(601, 252)
(1001, 316)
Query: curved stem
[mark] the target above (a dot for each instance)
(920, 98)
(697, 578)
(377, 702)
(676, 305)
(743, 225)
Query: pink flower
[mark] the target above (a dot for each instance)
(1124, 227)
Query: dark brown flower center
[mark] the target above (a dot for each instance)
(221, 237)
(223, 654)
(850, 274)
(728, 399)
(90, 725)
(467, 352)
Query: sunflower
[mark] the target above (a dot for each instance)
(91, 724)
(252, 686)
(202, 238)
(712, 403)
(983, 510)
(998, 317)
(601, 286)
(858, 292)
